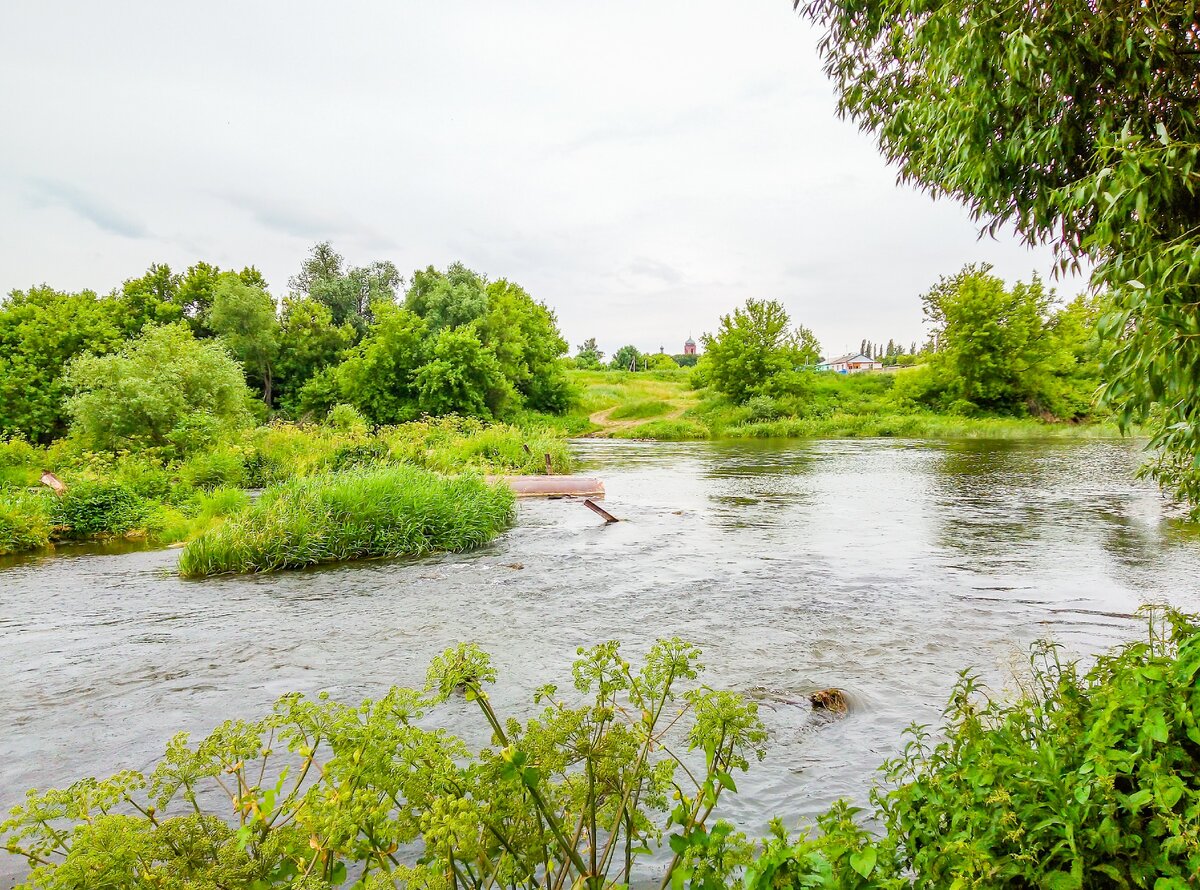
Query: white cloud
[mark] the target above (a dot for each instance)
(642, 168)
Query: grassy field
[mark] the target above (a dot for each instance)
(663, 406)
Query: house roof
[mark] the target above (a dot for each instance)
(853, 357)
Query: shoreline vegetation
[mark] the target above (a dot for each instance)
(670, 405)
(352, 514)
(1080, 779)
(151, 497)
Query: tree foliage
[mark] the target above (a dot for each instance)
(244, 316)
(1010, 350)
(447, 299)
(589, 356)
(164, 389)
(350, 293)
(41, 330)
(309, 343)
(755, 351)
(1075, 124)
(625, 358)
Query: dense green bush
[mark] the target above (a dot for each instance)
(392, 511)
(18, 463)
(25, 522)
(154, 390)
(92, 508)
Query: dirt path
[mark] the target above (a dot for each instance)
(610, 427)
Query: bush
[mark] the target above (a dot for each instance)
(397, 511)
(156, 391)
(18, 463)
(24, 521)
(326, 793)
(90, 509)
(762, 408)
(222, 467)
(346, 419)
(1087, 779)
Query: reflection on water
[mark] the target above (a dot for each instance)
(881, 567)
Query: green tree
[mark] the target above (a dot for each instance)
(590, 355)
(1075, 124)
(660, 362)
(309, 342)
(463, 377)
(379, 375)
(151, 299)
(1074, 358)
(755, 351)
(447, 299)
(625, 357)
(41, 330)
(993, 342)
(350, 293)
(195, 295)
(165, 388)
(244, 317)
(523, 334)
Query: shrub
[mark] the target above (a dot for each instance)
(326, 793)
(346, 419)
(1087, 779)
(24, 521)
(156, 390)
(762, 408)
(223, 466)
(18, 462)
(89, 509)
(339, 516)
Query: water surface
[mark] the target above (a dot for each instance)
(882, 567)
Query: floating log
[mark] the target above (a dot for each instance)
(552, 486)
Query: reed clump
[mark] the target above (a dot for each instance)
(354, 514)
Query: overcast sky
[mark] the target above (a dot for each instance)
(641, 167)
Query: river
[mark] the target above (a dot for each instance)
(882, 567)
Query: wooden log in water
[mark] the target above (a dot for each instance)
(552, 486)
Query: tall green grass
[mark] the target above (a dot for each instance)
(25, 522)
(391, 511)
(639, 410)
(919, 425)
(678, 430)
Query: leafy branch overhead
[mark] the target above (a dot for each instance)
(1076, 125)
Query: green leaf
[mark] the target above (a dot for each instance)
(863, 861)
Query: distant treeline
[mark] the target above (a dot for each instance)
(211, 346)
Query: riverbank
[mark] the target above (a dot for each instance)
(665, 406)
(154, 497)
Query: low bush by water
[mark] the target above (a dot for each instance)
(24, 521)
(390, 511)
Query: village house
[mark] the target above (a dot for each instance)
(850, 364)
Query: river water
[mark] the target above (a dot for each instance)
(881, 567)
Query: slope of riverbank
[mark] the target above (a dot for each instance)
(664, 406)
